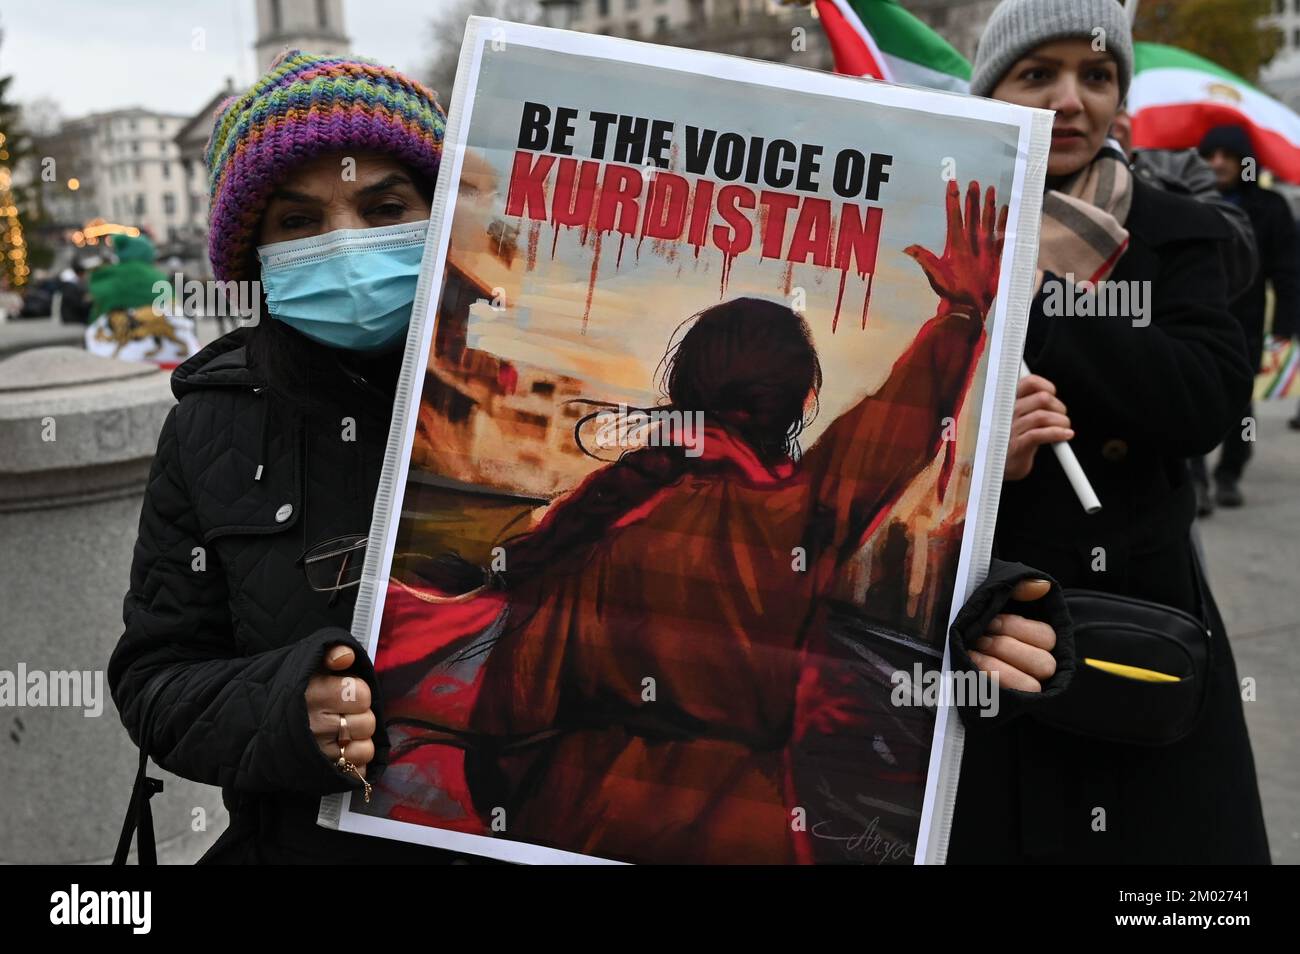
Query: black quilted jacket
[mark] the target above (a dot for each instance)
(223, 631)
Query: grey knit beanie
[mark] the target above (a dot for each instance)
(1018, 26)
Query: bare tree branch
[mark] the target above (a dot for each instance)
(447, 31)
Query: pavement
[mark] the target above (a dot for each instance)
(24, 333)
(1253, 559)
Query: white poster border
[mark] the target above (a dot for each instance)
(484, 36)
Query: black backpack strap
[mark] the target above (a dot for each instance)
(139, 818)
(139, 814)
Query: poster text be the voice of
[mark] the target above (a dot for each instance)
(624, 187)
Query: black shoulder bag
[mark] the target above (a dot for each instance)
(1142, 671)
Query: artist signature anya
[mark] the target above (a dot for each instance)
(869, 841)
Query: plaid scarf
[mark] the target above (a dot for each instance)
(1083, 221)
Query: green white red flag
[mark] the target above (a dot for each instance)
(1178, 96)
(880, 39)
(1279, 375)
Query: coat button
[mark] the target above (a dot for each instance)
(284, 513)
(1114, 450)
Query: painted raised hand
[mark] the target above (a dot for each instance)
(965, 276)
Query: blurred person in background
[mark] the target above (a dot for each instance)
(74, 307)
(129, 281)
(1184, 172)
(1228, 151)
(11, 303)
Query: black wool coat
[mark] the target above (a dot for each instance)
(1142, 399)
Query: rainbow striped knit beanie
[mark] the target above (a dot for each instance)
(305, 106)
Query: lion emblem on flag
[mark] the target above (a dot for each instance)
(1223, 91)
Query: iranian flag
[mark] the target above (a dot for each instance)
(1279, 374)
(878, 38)
(1177, 97)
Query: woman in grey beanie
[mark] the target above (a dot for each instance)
(1148, 384)
(1028, 44)
(1018, 26)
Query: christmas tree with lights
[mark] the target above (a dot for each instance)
(14, 268)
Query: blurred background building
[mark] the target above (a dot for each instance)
(757, 28)
(1282, 75)
(761, 29)
(191, 145)
(315, 25)
(134, 170)
(145, 169)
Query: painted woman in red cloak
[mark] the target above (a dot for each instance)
(643, 686)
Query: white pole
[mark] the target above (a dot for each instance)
(1073, 472)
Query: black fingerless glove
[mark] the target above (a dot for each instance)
(992, 597)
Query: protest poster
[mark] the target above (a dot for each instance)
(696, 451)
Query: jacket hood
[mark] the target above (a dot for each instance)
(223, 363)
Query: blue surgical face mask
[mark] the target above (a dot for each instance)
(351, 288)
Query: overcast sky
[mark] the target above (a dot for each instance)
(94, 55)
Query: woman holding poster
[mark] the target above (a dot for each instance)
(1136, 393)
(236, 667)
